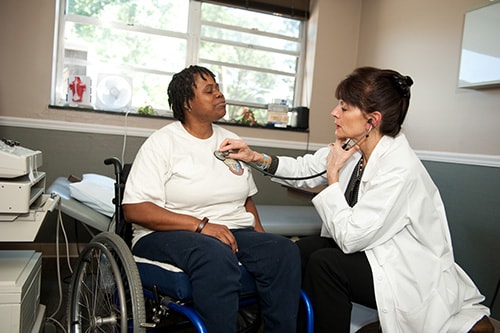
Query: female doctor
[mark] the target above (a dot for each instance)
(385, 241)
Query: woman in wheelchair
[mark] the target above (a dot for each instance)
(192, 210)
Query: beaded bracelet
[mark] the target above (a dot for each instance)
(202, 224)
(266, 163)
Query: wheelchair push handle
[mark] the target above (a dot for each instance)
(117, 200)
(117, 165)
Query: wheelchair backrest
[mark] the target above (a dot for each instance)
(122, 228)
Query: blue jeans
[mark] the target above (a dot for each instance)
(273, 260)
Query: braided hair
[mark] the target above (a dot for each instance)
(384, 90)
(181, 89)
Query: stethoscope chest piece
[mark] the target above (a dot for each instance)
(233, 165)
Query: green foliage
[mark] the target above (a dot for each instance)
(146, 109)
(91, 7)
(247, 118)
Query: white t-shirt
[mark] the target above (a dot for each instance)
(179, 172)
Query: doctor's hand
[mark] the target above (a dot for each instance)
(238, 150)
(336, 159)
(222, 233)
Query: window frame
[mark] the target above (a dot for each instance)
(193, 40)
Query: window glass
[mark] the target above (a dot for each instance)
(249, 38)
(255, 55)
(115, 47)
(131, 48)
(253, 87)
(251, 20)
(169, 15)
(244, 55)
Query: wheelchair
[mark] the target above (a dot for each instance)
(113, 291)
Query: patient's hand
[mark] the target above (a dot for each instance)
(222, 233)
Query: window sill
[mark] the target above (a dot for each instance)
(133, 114)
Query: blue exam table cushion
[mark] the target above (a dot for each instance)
(290, 220)
(75, 208)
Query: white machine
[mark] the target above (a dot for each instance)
(21, 184)
(20, 308)
(23, 207)
(17, 161)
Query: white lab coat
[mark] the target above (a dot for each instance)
(400, 223)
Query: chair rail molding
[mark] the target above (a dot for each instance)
(434, 156)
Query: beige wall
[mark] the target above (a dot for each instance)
(419, 38)
(334, 26)
(423, 39)
(26, 34)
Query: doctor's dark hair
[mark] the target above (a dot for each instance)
(384, 90)
(181, 89)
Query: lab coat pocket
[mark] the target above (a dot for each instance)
(428, 316)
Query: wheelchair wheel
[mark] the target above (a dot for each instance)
(105, 293)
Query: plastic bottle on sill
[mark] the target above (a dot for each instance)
(292, 118)
(277, 113)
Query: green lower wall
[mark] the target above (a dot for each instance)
(472, 200)
(470, 194)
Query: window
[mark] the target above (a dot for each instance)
(124, 54)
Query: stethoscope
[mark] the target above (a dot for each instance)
(222, 156)
(349, 143)
(346, 146)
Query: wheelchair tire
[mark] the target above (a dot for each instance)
(105, 293)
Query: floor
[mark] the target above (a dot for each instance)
(496, 325)
(55, 298)
(56, 301)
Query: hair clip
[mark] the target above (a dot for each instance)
(403, 83)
